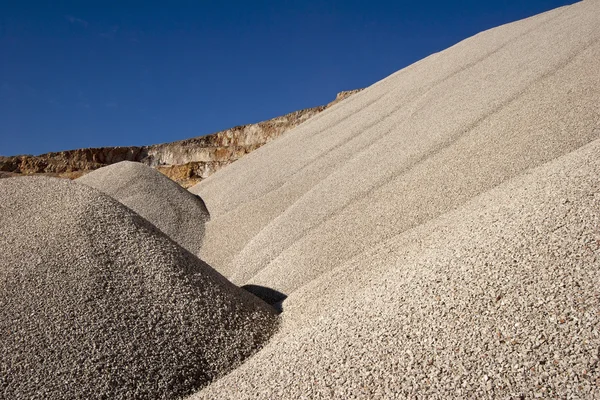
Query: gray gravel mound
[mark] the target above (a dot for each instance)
(171, 208)
(95, 302)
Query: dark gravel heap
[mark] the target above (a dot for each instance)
(7, 175)
(95, 302)
(171, 208)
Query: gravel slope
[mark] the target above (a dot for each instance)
(435, 233)
(95, 302)
(407, 149)
(496, 299)
(155, 197)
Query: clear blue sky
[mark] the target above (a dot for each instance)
(89, 74)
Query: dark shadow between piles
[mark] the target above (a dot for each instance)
(203, 205)
(268, 295)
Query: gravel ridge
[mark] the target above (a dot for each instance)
(407, 149)
(96, 302)
(436, 234)
(172, 209)
(496, 299)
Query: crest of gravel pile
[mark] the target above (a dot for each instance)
(407, 149)
(172, 209)
(95, 302)
(500, 300)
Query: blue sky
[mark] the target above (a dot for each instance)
(89, 74)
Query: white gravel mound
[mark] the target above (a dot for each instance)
(171, 208)
(407, 149)
(95, 302)
(435, 232)
(499, 298)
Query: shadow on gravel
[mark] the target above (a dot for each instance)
(203, 206)
(268, 295)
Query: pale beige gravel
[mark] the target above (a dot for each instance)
(499, 298)
(407, 149)
(436, 233)
(438, 236)
(97, 303)
(172, 209)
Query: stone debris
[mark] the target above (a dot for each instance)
(96, 303)
(436, 233)
(172, 209)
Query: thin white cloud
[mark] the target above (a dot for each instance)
(111, 33)
(77, 21)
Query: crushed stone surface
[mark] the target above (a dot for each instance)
(434, 236)
(96, 302)
(499, 298)
(161, 201)
(437, 234)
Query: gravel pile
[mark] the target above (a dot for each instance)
(436, 234)
(407, 149)
(95, 302)
(172, 209)
(499, 298)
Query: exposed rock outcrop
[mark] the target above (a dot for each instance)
(185, 161)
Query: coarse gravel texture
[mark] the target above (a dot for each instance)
(437, 234)
(96, 302)
(407, 149)
(172, 209)
(434, 236)
(499, 298)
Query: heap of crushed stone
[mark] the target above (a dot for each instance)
(172, 209)
(406, 150)
(437, 235)
(496, 299)
(95, 302)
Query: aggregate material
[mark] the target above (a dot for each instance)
(96, 302)
(437, 234)
(172, 209)
(434, 236)
(499, 298)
